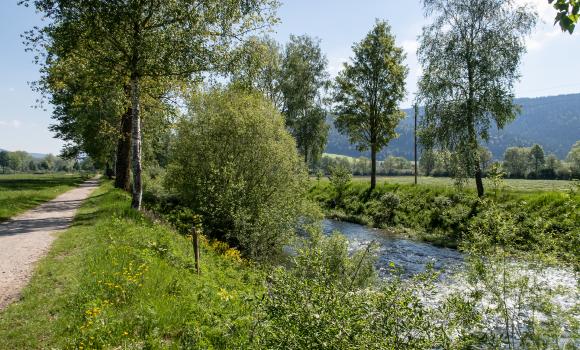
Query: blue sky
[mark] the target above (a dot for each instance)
(548, 68)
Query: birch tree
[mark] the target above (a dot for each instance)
(470, 55)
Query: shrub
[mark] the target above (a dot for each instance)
(234, 163)
(340, 177)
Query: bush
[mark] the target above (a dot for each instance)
(234, 163)
(327, 301)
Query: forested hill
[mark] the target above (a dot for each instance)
(553, 122)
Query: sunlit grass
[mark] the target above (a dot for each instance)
(20, 192)
(117, 280)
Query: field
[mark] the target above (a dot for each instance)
(516, 185)
(21, 192)
(117, 280)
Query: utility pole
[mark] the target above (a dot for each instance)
(416, 113)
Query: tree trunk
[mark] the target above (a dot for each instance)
(136, 143)
(415, 141)
(479, 181)
(123, 164)
(373, 167)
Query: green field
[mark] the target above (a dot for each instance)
(518, 185)
(20, 192)
(115, 280)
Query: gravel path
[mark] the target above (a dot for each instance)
(27, 237)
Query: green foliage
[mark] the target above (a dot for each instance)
(368, 91)
(259, 67)
(574, 159)
(234, 163)
(340, 178)
(325, 302)
(303, 76)
(568, 13)
(19, 193)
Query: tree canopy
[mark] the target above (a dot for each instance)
(368, 91)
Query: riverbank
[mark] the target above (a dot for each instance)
(542, 222)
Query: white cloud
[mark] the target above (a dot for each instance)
(541, 38)
(11, 89)
(10, 124)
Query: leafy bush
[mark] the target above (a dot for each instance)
(234, 163)
(327, 301)
(340, 177)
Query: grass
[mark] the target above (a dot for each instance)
(516, 185)
(116, 279)
(21, 192)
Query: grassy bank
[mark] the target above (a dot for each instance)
(118, 280)
(546, 221)
(21, 192)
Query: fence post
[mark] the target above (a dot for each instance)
(195, 239)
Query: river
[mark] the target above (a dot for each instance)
(410, 256)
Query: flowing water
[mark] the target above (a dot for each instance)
(410, 256)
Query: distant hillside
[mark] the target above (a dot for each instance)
(553, 122)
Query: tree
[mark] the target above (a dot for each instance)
(144, 40)
(485, 157)
(574, 159)
(368, 91)
(18, 160)
(4, 160)
(568, 13)
(303, 76)
(515, 161)
(234, 163)
(537, 158)
(258, 66)
(470, 56)
(428, 161)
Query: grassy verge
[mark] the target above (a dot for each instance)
(21, 192)
(546, 222)
(118, 280)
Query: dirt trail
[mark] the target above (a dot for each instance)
(27, 237)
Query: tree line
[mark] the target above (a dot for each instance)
(517, 163)
(23, 162)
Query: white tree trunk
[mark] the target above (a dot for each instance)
(136, 144)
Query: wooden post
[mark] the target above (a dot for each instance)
(195, 239)
(416, 113)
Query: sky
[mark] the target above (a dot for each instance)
(548, 68)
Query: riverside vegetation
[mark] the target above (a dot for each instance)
(544, 222)
(220, 131)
